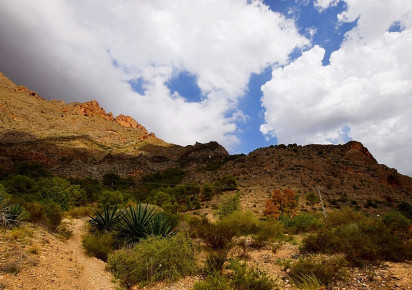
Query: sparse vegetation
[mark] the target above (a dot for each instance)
(154, 259)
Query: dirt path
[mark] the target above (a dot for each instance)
(58, 264)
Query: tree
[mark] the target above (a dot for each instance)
(280, 203)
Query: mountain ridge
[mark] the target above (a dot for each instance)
(81, 139)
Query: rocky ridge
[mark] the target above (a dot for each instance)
(81, 139)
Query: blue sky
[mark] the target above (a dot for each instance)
(247, 74)
(328, 33)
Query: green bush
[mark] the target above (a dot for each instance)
(269, 230)
(229, 206)
(245, 222)
(98, 245)
(47, 213)
(208, 191)
(245, 278)
(19, 185)
(303, 222)
(311, 197)
(29, 169)
(326, 270)
(405, 208)
(215, 235)
(359, 238)
(110, 197)
(215, 281)
(241, 277)
(154, 259)
(215, 260)
(396, 221)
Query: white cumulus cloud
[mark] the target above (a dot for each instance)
(367, 87)
(82, 50)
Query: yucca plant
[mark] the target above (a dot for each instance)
(135, 223)
(161, 225)
(11, 215)
(107, 219)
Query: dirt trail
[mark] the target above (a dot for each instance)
(61, 264)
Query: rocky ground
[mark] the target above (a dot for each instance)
(32, 258)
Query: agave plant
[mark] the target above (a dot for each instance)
(11, 215)
(135, 223)
(161, 225)
(107, 219)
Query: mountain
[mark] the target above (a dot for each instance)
(81, 139)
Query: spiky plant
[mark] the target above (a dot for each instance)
(11, 215)
(107, 219)
(135, 223)
(308, 282)
(161, 225)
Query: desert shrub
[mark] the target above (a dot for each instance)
(60, 191)
(98, 245)
(344, 216)
(110, 197)
(245, 222)
(396, 221)
(115, 182)
(269, 230)
(307, 282)
(81, 211)
(54, 216)
(19, 185)
(359, 238)
(215, 260)
(370, 203)
(325, 269)
(64, 232)
(303, 222)
(208, 190)
(47, 213)
(163, 200)
(29, 169)
(245, 278)
(405, 208)
(90, 185)
(229, 205)
(215, 235)
(154, 259)
(311, 197)
(241, 277)
(226, 183)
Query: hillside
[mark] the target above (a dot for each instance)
(81, 139)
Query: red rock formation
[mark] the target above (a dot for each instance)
(127, 121)
(358, 147)
(93, 108)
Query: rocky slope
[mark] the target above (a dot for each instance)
(81, 139)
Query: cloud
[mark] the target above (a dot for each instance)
(367, 88)
(82, 50)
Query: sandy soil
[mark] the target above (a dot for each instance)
(58, 264)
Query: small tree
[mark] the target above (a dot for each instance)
(280, 203)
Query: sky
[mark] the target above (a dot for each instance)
(247, 74)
